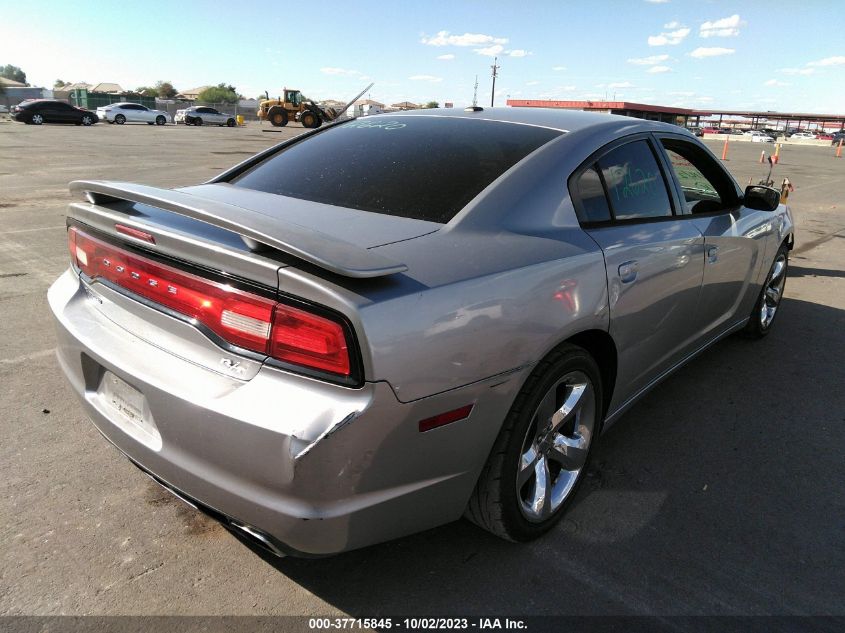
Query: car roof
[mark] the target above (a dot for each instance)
(555, 118)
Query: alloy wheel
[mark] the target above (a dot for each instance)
(555, 447)
(773, 292)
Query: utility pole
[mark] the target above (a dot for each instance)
(475, 94)
(495, 68)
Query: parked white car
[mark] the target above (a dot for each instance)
(759, 137)
(808, 135)
(204, 115)
(126, 112)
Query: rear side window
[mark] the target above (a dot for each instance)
(421, 167)
(635, 184)
(591, 194)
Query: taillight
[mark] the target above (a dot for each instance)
(288, 334)
(303, 338)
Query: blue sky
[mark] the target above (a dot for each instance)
(706, 54)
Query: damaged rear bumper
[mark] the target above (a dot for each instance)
(315, 468)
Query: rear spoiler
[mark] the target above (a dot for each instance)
(256, 229)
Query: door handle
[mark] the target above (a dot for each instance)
(628, 271)
(712, 254)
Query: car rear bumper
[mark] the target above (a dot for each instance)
(319, 468)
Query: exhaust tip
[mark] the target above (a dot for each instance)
(256, 537)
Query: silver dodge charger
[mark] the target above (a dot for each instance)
(385, 324)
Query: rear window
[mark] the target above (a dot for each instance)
(421, 167)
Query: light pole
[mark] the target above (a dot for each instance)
(495, 68)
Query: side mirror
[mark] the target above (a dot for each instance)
(761, 198)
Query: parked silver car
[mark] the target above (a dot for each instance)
(204, 115)
(436, 323)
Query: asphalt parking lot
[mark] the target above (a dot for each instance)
(720, 493)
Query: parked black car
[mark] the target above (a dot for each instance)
(38, 111)
(838, 136)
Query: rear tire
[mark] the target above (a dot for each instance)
(120, 119)
(36, 119)
(543, 449)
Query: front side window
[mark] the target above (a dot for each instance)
(705, 186)
(635, 185)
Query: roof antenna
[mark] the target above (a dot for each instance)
(495, 68)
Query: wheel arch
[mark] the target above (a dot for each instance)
(601, 346)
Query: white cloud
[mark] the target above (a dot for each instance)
(658, 69)
(558, 68)
(714, 51)
(674, 24)
(531, 83)
(429, 78)
(490, 51)
(669, 38)
(518, 52)
(444, 38)
(838, 60)
(651, 60)
(621, 84)
(329, 70)
(657, 1)
(448, 56)
(726, 27)
(775, 82)
(682, 93)
(798, 71)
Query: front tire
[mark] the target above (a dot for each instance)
(197, 121)
(543, 449)
(87, 120)
(308, 119)
(230, 123)
(768, 301)
(160, 120)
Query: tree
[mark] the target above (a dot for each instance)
(146, 91)
(221, 93)
(59, 84)
(165, 90)
(14, 73)
(432, 104)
